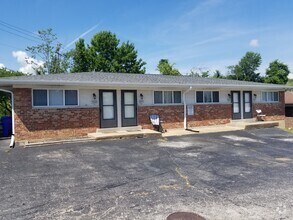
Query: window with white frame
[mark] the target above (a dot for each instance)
(54, 97)
(167, 97)
(207, 96)
(270, 96)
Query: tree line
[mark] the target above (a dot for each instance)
(106, 53)
(245, 70)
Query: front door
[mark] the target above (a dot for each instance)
(108, 108)
(247, 104)
(128, 108)
(236, 105)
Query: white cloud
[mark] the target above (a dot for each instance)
(27, 63)
(290, 76)
(254, 43)
(2, 66)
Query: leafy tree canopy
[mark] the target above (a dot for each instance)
(106, 54)
(50, 53)
(165, 68)
(277, 73)
(199, 72)
(81, 57)
(4, 72)
(246, 69)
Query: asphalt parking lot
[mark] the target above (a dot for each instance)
(231, 175)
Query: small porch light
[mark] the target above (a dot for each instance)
(94, 96)
(254, 96)
(140, 98)
(229, 97)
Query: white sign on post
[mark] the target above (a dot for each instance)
(190, 110)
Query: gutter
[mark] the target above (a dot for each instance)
(12, 140)
(121, 84)
(184, 102)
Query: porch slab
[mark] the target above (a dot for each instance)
(249, 124)
(123, 134)
(201, 130)
(233, 126)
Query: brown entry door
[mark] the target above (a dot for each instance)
(247, 104)
(108, 108)
(236, 105)
(128, 108)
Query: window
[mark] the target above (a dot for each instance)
(55, 97)
(71, 97)
(167, 97)
(177, 96)
(207, 96)
(270, 96)
(158, 97)
(40, 97)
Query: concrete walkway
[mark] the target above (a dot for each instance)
(233, 126)
(123, 134)
(138, 132)
(201, 130)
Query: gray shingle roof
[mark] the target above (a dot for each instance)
(102, 78)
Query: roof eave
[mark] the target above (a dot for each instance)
(69, 83)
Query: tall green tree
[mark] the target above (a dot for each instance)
(165, 68)
(126, 60)
(81, 56)
(246, 68)
(103, 50)
(106, 54)
(199, 72)
(49, 52)
(277, 73)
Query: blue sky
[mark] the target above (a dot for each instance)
(208, 34)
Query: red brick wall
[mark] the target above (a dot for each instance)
(210, 114)
(57, 123)
(273, 111)
(173, 116)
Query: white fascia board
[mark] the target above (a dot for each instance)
(136, 85)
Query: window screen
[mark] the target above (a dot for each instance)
(71, 97)
(55, 97)
(177, 96)
(40, 97)
(158, 97)
(167, 97)
(207, 95)
(215, 96)
(199, 97)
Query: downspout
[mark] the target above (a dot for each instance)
(184, 102)
(12, 141)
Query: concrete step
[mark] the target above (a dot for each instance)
(249, 124)
(125, 134)
(263, 124)
(109, 130)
